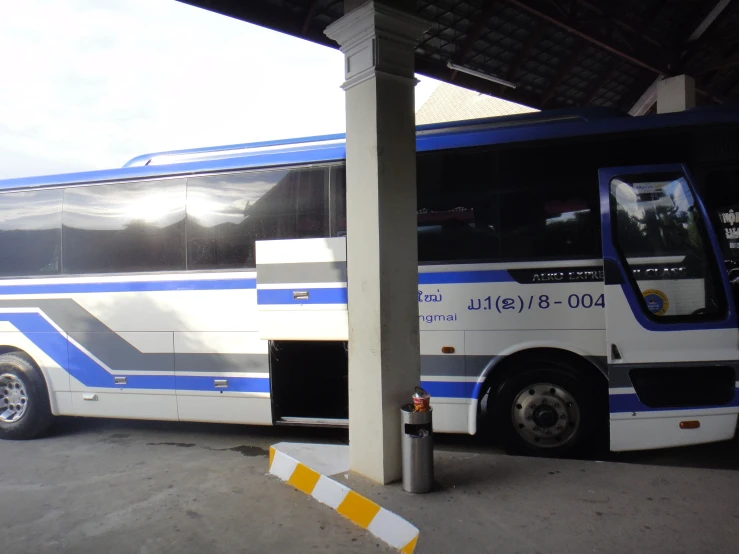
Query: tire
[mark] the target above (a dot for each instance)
(545, 409)
(25, 411)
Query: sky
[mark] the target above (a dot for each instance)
(90, 84)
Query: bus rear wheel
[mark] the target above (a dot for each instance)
(24, 400)
(544, 409)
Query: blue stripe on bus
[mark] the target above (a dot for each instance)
(91, 374)
(265, 296)
(128, 286)
(235, 384)
(315, 296)
(448, 389)
(622, 403)
(453, 277)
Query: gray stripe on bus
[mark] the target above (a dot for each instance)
(618, 377)
(434, 365)
(221, 363)
(120, 355)
(313, 272)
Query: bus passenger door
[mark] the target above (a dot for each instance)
(671, 326)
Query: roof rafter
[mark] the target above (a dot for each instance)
(645, 58)
(311, 13)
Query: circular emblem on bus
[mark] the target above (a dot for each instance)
(656, 300)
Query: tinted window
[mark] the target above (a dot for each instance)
(125, 227)
(227, 213)
(661, 237)
(524, 204)
(337, 183)
(30, 233)
(722, 197)
(549, 203)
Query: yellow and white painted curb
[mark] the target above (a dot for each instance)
(383, 524)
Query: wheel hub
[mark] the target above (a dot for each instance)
(545, 415)
(13, 398)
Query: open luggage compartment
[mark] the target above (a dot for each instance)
(309, 382)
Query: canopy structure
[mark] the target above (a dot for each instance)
(557, 53)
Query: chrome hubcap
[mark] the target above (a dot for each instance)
(545, 415)
(13, 398)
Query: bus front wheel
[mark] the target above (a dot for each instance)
(544, 409)
(24, 400)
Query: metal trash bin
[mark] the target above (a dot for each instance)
(417, 449)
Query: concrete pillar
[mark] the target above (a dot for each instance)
(382, 256)
(675, 94)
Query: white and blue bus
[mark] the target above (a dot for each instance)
(571, 281)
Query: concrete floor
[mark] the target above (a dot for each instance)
(506, 505)
(148, 487)
(143, 487)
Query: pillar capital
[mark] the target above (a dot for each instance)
(377, 38)
(675, 94)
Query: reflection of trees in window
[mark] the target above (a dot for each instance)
(125, 227)
(631, 233)
(654, 225)
(228, 213)
(30, 233)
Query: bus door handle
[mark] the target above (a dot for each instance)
(300, 295)
(120, 380)
(615, 352)
(220, 383)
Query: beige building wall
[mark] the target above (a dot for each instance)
(452, 103)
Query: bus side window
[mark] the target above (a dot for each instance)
(227, 213)
(124, 227)
(498, 205)
(30, 233)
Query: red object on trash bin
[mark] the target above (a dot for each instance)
(421, 400)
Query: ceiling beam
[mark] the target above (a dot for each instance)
(708, 20)
(310, 14)
(637, 29)
(715, 35)
(645, 58)
(647, 99)
(703, 31)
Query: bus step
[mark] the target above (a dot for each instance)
(313, 421)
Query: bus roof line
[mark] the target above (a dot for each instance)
(194, 154)
(463, 134)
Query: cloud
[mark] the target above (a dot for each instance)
(89, 84)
